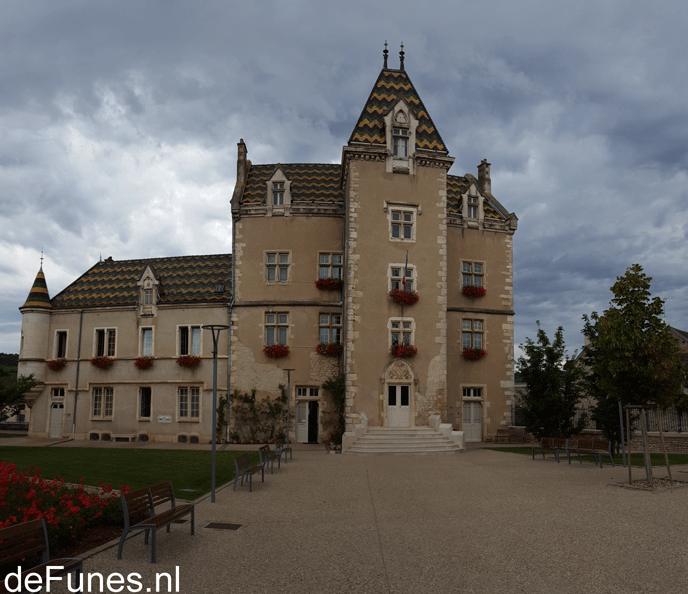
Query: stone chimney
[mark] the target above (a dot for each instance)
(484, 177)
(241, 162)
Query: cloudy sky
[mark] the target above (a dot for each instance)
(119, 122)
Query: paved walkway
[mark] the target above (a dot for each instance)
(480, 521)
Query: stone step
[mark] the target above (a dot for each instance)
(409, 440)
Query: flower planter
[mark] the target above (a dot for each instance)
(471, 291)
(189, 361)
(56, 364)
(403, 297)
(275, 351)
(329, 284)
(474, 354)
(102, 362)
(403, 351)
(142, 363)
(329, 350)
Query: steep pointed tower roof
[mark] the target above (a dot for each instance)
(391, 87)
(38, 296)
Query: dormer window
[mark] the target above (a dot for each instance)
(148, 297)
(400, 139)
(472, 207)
(400, 135)
(278, 193)
(149, 287)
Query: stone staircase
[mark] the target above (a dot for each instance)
(413, 440)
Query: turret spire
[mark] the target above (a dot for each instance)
(401, 58)
(385, 53)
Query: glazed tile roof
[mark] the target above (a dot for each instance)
(183, 279)
(390, 87)
(310, 182)
(456, 187)
(38, 296)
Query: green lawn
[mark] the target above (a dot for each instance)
(636, 458)
(188, 470)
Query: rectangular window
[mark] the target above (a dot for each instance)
(397, 278)
(330, 265)
(277, 267)
(144, 403)
(402, 225)
(473, 273)
(60, 344)
(472, 207)
(401, 331)
(400, 138)
(472, 334)
(277, 193)
(472, 392)
(330, 328)
(148, 296)
(146, 342)
(102, 403)
(276, 328)
(189, 403)
(189, 340)
(57, 392)
(306, 392)
(106, 342)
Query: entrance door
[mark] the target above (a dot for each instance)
(56, 419)
(473, 421)
(302, 422)
(398, 406)
(313, 421)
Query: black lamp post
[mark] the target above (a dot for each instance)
(215, 329)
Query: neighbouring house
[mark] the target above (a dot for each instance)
(384, 268)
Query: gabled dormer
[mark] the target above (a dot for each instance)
(278, 193)
(400, 137)
(149, 292)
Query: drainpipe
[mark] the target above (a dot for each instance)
(78, 362)
(230, 309)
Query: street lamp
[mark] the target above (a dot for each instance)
(215, 329)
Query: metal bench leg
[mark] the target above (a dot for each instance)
(153, 545)
(121, 544)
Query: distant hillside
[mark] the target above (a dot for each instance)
(9, 360)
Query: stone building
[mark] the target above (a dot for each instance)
(400, 270)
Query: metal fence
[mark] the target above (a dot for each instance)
(672, 420)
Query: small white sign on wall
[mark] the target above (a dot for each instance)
(164, 419)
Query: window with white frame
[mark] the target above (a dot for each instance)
(276, 328)
(473, 393)
(102, 403)
(145, 397)
(330, 330)
(60, 348)
(105, 342)
(330, 265)
(397, 275)
(57, 393)
(148, 297)
(146, 342)
(277, 267)
(472, 207)
(189, 403)
(278, 193)
(402, 225)
(306, 392)
(401, 331)
(189, 340)
(472, 274)
(472, 334)
(400, 139)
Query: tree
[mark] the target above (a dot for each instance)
(554, 387)
(633, 357)
(12, 391)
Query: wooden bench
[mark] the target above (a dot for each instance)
(281, 449)
(243, 467)
(510, 435)
(123, 437)
(138, 508)
(596, 447)
(26, 540)
(550, 445)
(267, 456)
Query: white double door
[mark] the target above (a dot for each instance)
(398, 405)
(473, 421)
(56, 419)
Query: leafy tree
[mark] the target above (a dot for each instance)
(12, 391)
(632, 356)
(554, 387)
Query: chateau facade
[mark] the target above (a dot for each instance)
(383, 268)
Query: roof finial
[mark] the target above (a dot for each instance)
(401, 57)
(385, 55)
(41, 259)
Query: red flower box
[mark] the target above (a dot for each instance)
(103, 362)
(329, 284)
(189, 361)
(474, 354)
(331, 349)
(471, 291)
(143, 362)
(276, 351)
(56, 364)
(403, 351)
(403, 297)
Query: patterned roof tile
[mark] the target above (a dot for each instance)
(310, 182)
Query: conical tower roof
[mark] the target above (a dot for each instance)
(38, 296)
